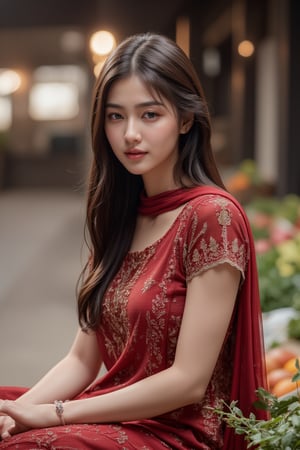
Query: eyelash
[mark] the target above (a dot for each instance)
(114, 116)
(148, 115)
(153, 114)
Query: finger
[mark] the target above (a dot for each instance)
(18, 414)
(5, 435)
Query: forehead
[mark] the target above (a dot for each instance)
(134, 87)
(126, 87)
(133, 90)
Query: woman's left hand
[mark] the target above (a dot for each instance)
(28, 416)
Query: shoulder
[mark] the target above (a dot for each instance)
(216, 232)
(216, 206)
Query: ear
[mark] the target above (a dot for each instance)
(186, 124)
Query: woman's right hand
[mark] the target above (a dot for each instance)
(6, 424)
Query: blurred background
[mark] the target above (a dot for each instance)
(246, 54)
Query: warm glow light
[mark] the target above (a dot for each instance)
(5, 113)
(246, 48)
(10, 81)
(102, 43)
(53, 101)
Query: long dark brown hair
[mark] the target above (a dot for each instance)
(113, 192)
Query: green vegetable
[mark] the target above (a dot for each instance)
(280, 432)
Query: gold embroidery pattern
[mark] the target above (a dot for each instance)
(115, 324)
(148, 284)
(157, 321)
(98, 436)
(212, 250)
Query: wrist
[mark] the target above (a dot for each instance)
(59, 411)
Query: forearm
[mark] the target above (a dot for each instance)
(152, 396)
(64, 381)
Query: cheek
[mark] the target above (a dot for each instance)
(167, 134)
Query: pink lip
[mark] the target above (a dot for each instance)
(135, 154)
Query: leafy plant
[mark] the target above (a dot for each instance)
(280, 432)
(279, 277)
(276, 228)
(293, 329)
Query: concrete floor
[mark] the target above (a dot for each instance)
(41, 256)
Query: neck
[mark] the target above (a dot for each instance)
(152, 189)
(167, 200)
(163, 184)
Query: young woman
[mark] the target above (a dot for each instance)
(168, 301)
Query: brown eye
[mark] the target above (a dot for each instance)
(114, 116)
(150, 115)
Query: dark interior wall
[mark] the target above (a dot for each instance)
(292, 150)
(289, 111)
(36, 13)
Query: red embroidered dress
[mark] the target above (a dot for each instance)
(142, 312)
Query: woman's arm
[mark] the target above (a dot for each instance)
(71, 375)
(209, 305)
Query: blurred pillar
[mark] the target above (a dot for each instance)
(267, 110)
(288, 17)
(238, 80)
(183, 34)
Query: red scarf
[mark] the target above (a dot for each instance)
(249, 363)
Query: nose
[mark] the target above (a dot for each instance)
(132, 133)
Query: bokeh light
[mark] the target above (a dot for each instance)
(246, 48)
(102, 43)
(10, 81)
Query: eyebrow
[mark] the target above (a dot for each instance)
(139, 105)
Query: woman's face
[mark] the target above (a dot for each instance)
(143, 132)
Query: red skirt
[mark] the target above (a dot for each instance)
(118, 436)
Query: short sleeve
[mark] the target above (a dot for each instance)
(216, 234)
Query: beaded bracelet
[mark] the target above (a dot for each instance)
(59, 409)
